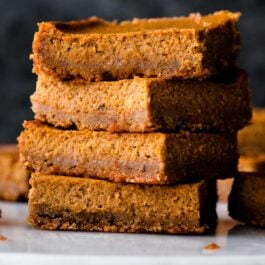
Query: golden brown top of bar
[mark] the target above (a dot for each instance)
(252, 163)
(100, 26)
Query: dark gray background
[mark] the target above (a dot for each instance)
(18, 20)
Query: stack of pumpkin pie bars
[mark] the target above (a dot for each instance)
(134, 122)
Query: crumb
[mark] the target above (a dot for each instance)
(196, 17)
(2, 237)
(211, 247)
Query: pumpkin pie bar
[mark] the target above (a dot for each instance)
(145, 104)
(246, 201)
(13, 177)
(150, 158)
(94, 49)
(251, 139)
(66, 203)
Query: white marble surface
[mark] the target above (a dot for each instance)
(24, 245)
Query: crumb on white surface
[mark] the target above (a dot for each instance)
(211, 247)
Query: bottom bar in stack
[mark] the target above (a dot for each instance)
(71, 203)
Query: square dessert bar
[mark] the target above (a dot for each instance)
(13, 177)
(247, 199)
(251, 139)
(94, 50)
(66, 203)
(219, 104)
(150, 158)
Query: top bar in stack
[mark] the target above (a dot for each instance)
(95, 50)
